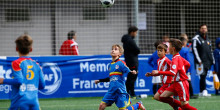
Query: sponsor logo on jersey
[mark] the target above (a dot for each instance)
(174, 66)
(22, 87)
(52, 77)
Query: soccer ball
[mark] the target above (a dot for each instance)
(107, 3)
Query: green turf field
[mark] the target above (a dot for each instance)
(204, 103)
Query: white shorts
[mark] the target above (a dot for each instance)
(156, 79)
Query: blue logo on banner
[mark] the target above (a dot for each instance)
(52, 77)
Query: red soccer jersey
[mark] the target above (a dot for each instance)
(179, 66)
(164, 65)
(69, 47)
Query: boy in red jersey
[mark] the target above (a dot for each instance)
(163, 65)
(180, 87)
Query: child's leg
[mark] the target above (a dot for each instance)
(136, 106)
(186, 106)
(102, 106)
(166, 98)
(157, 96)
(182, 88)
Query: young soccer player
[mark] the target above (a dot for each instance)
(180, 87)
(163, 65)
(156, 80)
(185, 53)
(27, 77)
(117, 90)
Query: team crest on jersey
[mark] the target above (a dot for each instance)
(174, 66)
(116, 67)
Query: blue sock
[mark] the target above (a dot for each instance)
(133, 107)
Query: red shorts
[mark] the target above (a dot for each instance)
(181, 89)
(163, 88)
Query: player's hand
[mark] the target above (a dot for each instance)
(200, 63)
(154, 72)
(134, 72)
(148, 74)
(1, 80)
(97, 81)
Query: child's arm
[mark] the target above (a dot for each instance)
(17, 74)
(167, 73)
(186, 64)
(102, 80)
(41, 80)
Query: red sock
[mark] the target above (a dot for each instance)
(188, 107)
(171, 101)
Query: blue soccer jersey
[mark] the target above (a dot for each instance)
(117, 82)
(117, 90)
(27, 80)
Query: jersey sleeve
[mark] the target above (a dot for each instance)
(16, 74)
(186, 64)
(124, 68)
(174, 66)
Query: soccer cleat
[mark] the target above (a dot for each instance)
(205, 93)
(141, 106)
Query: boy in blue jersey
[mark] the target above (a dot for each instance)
(217, 62)
(156, 80)
(27, 77)
(185, 53)
(117, 90)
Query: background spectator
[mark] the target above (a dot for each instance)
(131, 51)
(166, 40)
(203, 56)
(69, 47)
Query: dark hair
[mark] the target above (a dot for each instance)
(202, 25)
(182, 39)
(162, 46)
(157, 43)
(132, 29)
(71, 34)
(177, 44)
(24, 44)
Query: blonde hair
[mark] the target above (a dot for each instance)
(121, 50)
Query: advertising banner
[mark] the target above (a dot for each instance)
(74, 76)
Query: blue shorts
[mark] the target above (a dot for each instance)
(25, 105)
(122, 100)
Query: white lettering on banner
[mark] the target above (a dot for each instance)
(139, 82)
(48, 77)
(99, 67)
(5, 88)
(5, 74)
(87, 84)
